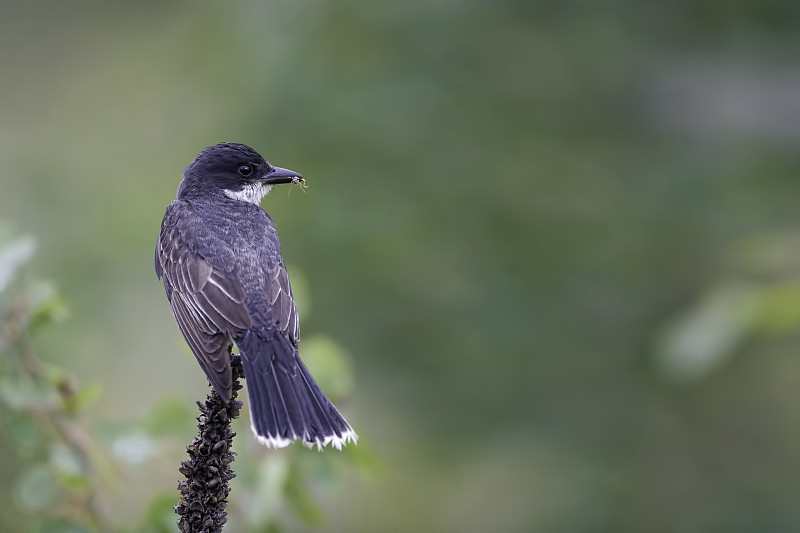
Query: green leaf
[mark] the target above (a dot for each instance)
(300, 499)
(268, 491)
(85, 397)
(169, 417)
(160, 515)
(24, 433)
(778, 312)
(703, 338)
(364, 458)
(67, 467)
(46, 305)
(329, 364)
(36, 489)
(135, 447)
(13, 255)
(22, 392)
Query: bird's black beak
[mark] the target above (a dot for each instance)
(277, 175)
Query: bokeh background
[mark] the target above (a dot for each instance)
(555, 245)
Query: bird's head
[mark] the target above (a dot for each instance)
(236, 170)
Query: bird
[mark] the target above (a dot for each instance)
(218, 256)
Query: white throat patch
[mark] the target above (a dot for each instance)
(252, 193)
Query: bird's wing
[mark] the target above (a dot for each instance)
(281, 301)
(207, 299)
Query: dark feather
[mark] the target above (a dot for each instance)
(206, 298)
(284, 310)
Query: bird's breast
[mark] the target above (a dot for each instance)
(247, 230)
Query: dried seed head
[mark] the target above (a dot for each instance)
(207, 471)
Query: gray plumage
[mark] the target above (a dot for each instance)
(219, 257)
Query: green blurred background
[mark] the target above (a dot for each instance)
(558, 243)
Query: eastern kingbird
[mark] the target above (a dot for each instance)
(219, 257)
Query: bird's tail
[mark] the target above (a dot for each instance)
(285, 401)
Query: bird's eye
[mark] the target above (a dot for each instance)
(245, 170)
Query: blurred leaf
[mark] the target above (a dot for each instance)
(329, 364)
(25, 434)
(22, 392)
(85, 397)
(159, 517)
(364, 458)
(300, 499)
(13, 255)
(109, 431)
(169, 417)
(267, 494)
(65, 460)
(134, 447)
(778, 310)
(61, 383)
(36, 489)
(701, 339)
(46, 305)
